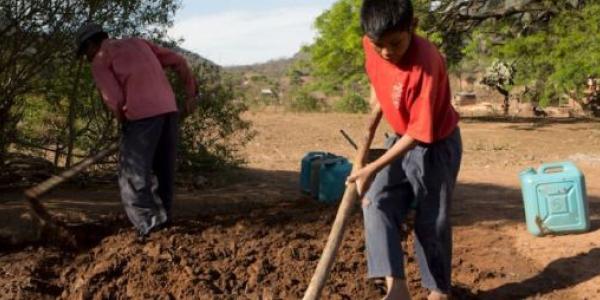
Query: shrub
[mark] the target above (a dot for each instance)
(303, 101)
(352, 103)
(212, 137)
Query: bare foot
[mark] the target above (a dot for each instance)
(397, 289)
(437, 296)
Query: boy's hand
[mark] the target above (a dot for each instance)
(120, 115)
(363, 178)
(190, 106)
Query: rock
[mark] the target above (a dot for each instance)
(200, 182)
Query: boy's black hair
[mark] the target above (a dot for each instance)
(379, 17)
(95, 39)
(98, 38)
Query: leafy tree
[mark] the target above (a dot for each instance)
(500, 76)
(37, 51)
(48, 99)
(336, 57)
(552, 57)
(522, 16)
(562, 55)
(213, 135)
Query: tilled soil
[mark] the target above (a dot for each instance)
(259, 254)
(258, 238)
(269, 254)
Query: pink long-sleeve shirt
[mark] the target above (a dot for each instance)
(130, 76)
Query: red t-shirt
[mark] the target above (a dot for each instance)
(414, 95)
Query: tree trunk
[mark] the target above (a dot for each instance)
(72, 115)
(5, 125)
(506, 94)
(3, 142)
(57, 153)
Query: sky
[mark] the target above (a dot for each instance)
(241, 32)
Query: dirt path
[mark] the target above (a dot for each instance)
(258, 238)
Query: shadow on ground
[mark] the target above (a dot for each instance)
(522, 120)
(550, 279)
(252, 190)
(267, 201)
(477, 202)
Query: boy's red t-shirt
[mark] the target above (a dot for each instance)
(414, 95)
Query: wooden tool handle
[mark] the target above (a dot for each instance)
(336, 236)
(319, 279)
(44, 187)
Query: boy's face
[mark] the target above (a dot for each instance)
(393, 45)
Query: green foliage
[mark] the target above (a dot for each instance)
(499, 75)
(352, 103)
(55, 102)
(336, 58)
(295, 76)
(337, 55)
(249, 87)
(37, 62)
(259, 78)
(212, 137)
(553, 60)
(302, 100)
(427, 22)
(562, 55)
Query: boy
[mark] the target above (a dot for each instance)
(410, 88)
(130, 77)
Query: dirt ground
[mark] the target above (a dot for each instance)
(257, 237)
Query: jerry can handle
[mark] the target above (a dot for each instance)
(562, 166)
(334, 161)
(320, 155)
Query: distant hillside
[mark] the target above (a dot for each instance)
(195, 59)
(275, 68)
(272, 68)
(268, 84)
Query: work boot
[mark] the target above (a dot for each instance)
(141, 238)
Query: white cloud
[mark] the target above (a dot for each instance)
(246, 37)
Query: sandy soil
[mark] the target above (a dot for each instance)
(257, 237)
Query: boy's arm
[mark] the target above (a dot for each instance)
(366, 173)
(364, 177)
(170, 59)
(363, 183)
(400, 148)
(109, 87)
(421, 126)
(370, 129)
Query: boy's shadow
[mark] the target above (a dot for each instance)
(561, 274)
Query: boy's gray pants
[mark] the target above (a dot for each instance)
(147, 169)
(426, 176)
